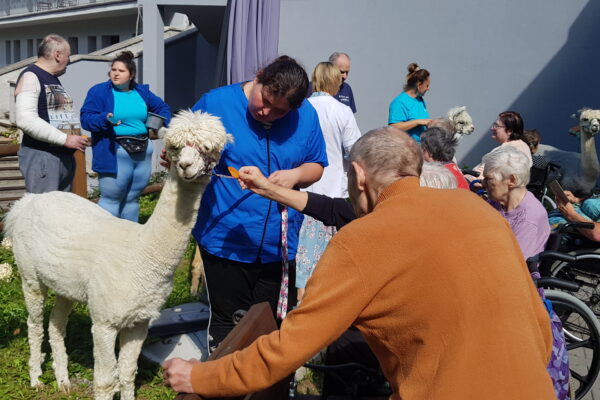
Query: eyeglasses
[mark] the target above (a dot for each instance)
(496, 126)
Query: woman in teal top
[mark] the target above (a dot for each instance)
(115, 112)
(408, 110)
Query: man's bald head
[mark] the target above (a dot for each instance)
(50, 44)
(53, 54)
(387, 154)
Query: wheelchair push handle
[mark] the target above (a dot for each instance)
(471, 172)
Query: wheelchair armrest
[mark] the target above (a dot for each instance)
(555, 255)
(568, 258)
(556, 283)
(572, 225)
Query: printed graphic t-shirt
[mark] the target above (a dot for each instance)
(55, 106)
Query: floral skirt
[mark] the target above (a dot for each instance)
(313, 239)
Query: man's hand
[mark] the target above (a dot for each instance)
(77, 142)
(178, 374)
(251, 178)
(288, 178)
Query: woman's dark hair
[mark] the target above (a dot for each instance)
(532, 138)
(415, 76)
(439, 143)
(126, 57)
(285, 77)
(512, 122)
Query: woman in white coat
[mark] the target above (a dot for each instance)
(340, 132)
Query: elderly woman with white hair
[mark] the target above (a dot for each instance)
(436, 175)
(505, 176)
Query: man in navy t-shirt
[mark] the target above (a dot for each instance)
(342, 62)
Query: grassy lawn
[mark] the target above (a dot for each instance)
(14, 349)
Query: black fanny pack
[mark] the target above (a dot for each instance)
(133, 144)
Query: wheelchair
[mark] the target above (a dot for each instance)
(572, 288)
(539, 178)
(572, 283)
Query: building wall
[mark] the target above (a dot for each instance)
(538, 57)
(120, 27)
(186, 79)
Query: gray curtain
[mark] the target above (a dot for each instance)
(253, 37)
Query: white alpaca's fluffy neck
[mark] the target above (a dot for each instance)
(166, 234)
(589, 157)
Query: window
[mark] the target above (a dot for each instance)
(74, 43)
(16, 50)
(92, 44)
(7, 54)
(29, 48)
(109, 40)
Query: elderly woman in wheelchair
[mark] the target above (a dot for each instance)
(505, 177)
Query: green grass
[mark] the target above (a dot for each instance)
(14, 349)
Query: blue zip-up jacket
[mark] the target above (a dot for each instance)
(98, 103)
(236, 224)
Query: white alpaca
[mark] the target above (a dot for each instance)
(462, 122)
(121, 269)
(579, 171)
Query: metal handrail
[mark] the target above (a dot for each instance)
(23, 7)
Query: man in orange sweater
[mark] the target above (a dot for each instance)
(434, 280)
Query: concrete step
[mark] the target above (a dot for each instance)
(10, 175)
(11, 185)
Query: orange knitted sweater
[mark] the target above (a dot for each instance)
(435, 281)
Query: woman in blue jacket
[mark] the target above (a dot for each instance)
(115, 113)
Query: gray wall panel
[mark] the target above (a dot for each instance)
(537, 57)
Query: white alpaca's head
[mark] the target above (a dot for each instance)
(589, 120)
(194, 142)
(461, 120)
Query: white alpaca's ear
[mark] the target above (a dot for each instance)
(162, 132)
(454, 111)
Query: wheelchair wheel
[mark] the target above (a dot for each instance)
(582, 333)
(588, 276)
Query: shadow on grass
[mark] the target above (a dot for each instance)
(79, 342)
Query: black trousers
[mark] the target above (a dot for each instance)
(233, 287)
